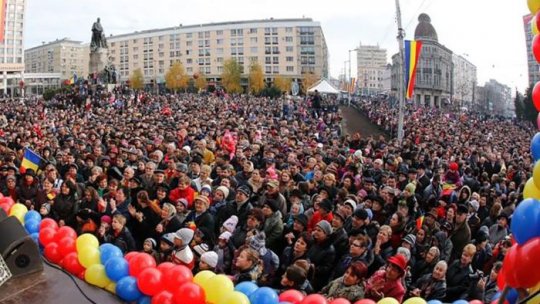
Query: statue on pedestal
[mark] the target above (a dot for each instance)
(98, 37)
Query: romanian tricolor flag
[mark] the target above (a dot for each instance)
(352, 86)
(412, 53)
(30, 161)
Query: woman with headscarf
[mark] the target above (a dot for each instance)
(65, 205)
(425, 266)
(350, 286)
(169, 222)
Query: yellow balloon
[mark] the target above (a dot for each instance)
(202, 277)
(530, 190)
(19, 215)
(535, 300)
(111, 287)
(96, 275)
(87, 240)
(235, 297)
(534, 28)
(218, 287)
(88, 256)
(536, 174)
(415, 300)
(388, 300)
(534, 6)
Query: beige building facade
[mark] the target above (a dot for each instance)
(371, 69)
(64, 56)
(286, 47)
(12, 14)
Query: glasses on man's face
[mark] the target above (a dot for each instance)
(356, 245)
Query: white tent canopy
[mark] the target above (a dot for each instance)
(324, 87)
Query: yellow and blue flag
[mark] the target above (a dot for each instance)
(31, 160)
(412, 53)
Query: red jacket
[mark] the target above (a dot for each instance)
(188, 194)
(317, 217)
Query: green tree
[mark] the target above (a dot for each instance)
(282, 83)
(176, 77)
(529, 111)
(308, 80)
(200, 81)
(256, 78)
(136, 80)
(231, 76)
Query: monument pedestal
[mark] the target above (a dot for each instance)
(98, 60)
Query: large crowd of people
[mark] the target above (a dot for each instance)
(275, 192)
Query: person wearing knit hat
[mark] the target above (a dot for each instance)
(224, 253)
(325, 227)
(230, 224)
(224, 190)
(206, 189)
(166, 247)
(244, 189)
(272, 204)
(326, 205)
(226, 235)
(409, 241)
(149, 246)
(258, 243)
(208, 261)
(45, 210)
(302, 220)
(182, 254)
(411, 188)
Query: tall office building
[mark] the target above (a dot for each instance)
(64, 56)
(12, 14)
(371, 67)
(464, 81)
(286, 47)
(532, 66)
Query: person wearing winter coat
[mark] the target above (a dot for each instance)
(431, 286)
(441, 241)
(350, 286)
(426, 265)
(322, 254)
(273, 225)
(458, 278)
(119, 235)
(359, 250)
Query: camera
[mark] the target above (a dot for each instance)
(477, 275)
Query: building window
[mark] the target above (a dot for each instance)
(267, 60)
(254, 49)
(268, 69)
(288, 39)
(253, 31)
(275, 60)
(289, 49)
(288, 29)
(290, 68)
(276, 69)
(219, 41)
(219, 33)
(253, 40)
(290, 58)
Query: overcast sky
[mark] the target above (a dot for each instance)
(490, 32)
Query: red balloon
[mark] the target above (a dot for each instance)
(292, 296)
(52, 253)
(71, 263)
(131, 255)
(176, 276)
(189, 292)
(538, 121)
(150, 281)
(536, 47)
(476, 302)
(6, 207)
(340, 301)
(81, 275)
(7, 200)
(67, 245)
(509, 262)
(527, 258)
(536, 89)
(65, 231)
(163, 297)
(48, 223)
(314, 299)
(140, 262)
(164, 266)
(46, 235)
(365, 301)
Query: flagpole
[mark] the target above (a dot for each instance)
(401, 89)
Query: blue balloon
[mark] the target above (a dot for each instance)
(246, 288)
(535, 146)
(460, 302)
(32, 226)
(512, 296)
(32, 215)
(117, 268)
(434, 302)
(145, 300)
(526, 221)
(35, 237)
(264, 295)
(109, 251)
(127, 289)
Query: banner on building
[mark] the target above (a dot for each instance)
(412, 53)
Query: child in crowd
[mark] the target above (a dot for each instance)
(229, 225)
(182, 252)
(149, 246)
(119, 235)
(166, 248)
(208, 261)
(225, 253)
